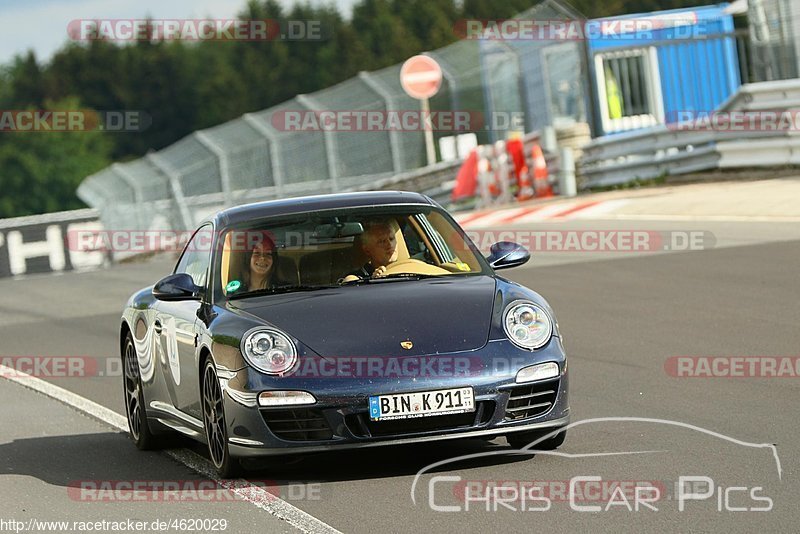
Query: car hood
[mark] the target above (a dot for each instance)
(438, 315)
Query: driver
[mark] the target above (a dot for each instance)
(379, 244)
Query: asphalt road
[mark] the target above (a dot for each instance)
(622, 317)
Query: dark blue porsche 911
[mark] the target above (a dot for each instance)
(336, 321)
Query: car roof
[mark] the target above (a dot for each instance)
(290, 206)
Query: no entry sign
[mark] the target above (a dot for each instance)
(421, 77)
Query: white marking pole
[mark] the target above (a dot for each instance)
(567, 185)
(430, 148)
(255, 495)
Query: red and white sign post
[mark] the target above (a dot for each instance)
(421, 77)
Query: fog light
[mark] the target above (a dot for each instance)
(543, 371)
(285, 398)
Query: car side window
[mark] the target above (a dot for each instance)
(437, 241)
(196, 257)
(416, 246)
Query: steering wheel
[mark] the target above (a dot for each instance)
(413, 266)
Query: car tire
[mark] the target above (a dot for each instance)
(135, 409)
(215, 424)
(518, 440)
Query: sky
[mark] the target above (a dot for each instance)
(41, 25)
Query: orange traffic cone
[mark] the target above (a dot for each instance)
(540, 184)
(494, 186)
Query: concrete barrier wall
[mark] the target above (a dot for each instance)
(42, 244)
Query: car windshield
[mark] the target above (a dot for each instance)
(336, 248)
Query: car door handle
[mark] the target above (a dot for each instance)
(157, 327)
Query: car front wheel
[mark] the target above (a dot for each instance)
(214, 421)
(135, 410)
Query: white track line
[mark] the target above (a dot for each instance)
(243, 489)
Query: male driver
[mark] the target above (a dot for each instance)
(379, 244)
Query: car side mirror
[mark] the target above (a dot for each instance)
(506, 254)
(179, 286)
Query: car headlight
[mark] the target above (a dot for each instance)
(527, 325)
(269, 351)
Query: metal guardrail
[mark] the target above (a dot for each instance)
(779, 94)
(679, 149)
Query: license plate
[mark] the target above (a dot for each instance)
(421, 404)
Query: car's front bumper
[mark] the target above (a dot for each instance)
(340, 419)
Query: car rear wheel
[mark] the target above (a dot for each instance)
(138, 428)
(518, 440)
(214, 421)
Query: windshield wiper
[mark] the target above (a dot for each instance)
(279, 289)
(390, 278)
(409, 276)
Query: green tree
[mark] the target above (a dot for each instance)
(26, 82)
(386, 39)
(430, 21)
(41, 170)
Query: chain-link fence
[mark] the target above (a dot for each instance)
(775, 39)
(250, 159)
